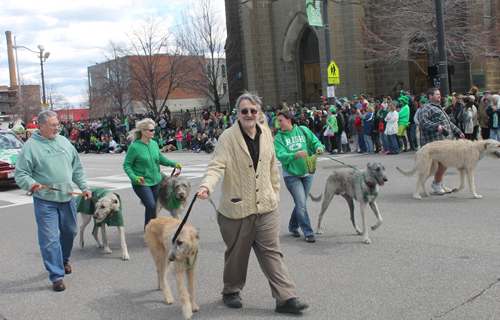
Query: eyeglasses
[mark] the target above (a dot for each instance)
(252, 111)
(54, 125)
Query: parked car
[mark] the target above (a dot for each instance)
(10, 146)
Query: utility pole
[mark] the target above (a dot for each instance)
(443, 63)
(328, 44)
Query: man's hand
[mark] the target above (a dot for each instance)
(462, 135)
(88, 194)
(202, 193)
(35, 187)
(440, 128)
(300, 154)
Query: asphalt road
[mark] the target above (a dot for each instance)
(437, 258)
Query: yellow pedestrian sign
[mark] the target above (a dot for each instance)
(333, 74)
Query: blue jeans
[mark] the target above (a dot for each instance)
(411, 132)
(385, 141)
(393, 143)
(148, 196)
(57, 230)
(495, 134)
(361, 141)
(369, 143)
(299, 189)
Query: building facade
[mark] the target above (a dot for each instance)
(273, 50)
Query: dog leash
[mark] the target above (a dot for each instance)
(173, 175)
(184, 220)
(340, 162)
(31, 192)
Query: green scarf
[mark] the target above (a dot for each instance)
(173, 202)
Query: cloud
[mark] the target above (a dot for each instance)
(75, 33)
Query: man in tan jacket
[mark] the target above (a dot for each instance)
(248, 213)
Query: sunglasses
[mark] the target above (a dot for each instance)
(150, 130)
(252, 111)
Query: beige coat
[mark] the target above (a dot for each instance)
(244, 191)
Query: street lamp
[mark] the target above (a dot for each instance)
(43, 57)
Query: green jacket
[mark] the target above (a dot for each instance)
(295, 141)
(114, 219)
(332, 120)
(143, 160)
(404, 116)
(52, 163)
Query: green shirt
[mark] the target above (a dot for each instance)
(143, 160)
(292, 142)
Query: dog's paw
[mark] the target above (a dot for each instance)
(455, 190)
(169, 300)
(100, 245)
(195, 307)
(82, 244)
(319, 231)
(187, 314)
(477, 196)
(126, 257)
(107, 250)
(367, 241)
(417, 197)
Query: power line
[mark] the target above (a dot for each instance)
(344, 2)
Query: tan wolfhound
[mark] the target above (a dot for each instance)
(461, 154)
(183, 254)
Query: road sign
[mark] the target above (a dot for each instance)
(45, 106)
(330, 91)
(333, 74)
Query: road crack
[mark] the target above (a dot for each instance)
(468, 301)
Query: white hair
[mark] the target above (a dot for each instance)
(136, 133)
(496, 97)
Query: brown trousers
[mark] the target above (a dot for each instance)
(260, 232)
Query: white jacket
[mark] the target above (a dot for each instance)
(392, 123)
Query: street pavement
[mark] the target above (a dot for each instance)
(437, 258)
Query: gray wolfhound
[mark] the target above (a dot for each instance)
(461, 154)
(351, 184)
(173, 195)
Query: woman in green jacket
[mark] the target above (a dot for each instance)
(292, 144)
(142, 165)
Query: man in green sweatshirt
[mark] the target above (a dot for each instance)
(49, 159)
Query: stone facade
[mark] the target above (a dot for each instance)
(263, 53)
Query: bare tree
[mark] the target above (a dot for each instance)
(203, 34)
(29, 104)
(55, 100)
(156, 68)
(111, 81)
(399, 31)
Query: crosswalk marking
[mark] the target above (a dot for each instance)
(114, 182)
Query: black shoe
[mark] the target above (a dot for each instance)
(310, 239)
(292, 306)
(295, 233)
(232, 300)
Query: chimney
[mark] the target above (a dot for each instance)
(12, 66)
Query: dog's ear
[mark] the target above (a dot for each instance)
(197, 234)
(116, 201)
(369, 165)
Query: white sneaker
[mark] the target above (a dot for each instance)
(111, 151)
(437, 188)
(447, 190)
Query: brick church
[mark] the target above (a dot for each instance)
(272, 49)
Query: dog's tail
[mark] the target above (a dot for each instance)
(407, 173)
(316, 199)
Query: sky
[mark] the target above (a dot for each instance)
(76, 33)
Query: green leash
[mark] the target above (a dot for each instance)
(360, 178)
(185, 264)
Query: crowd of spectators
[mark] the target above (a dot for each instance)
(359, 124)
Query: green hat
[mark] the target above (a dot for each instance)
(354, 96)
(332, 109)
(424, 100)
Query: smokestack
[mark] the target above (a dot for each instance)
(12, 66)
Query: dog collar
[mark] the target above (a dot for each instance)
(192, 265)
(368, 184)
(361, 179)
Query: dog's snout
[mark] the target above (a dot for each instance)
(181, 194)
(385, 179)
